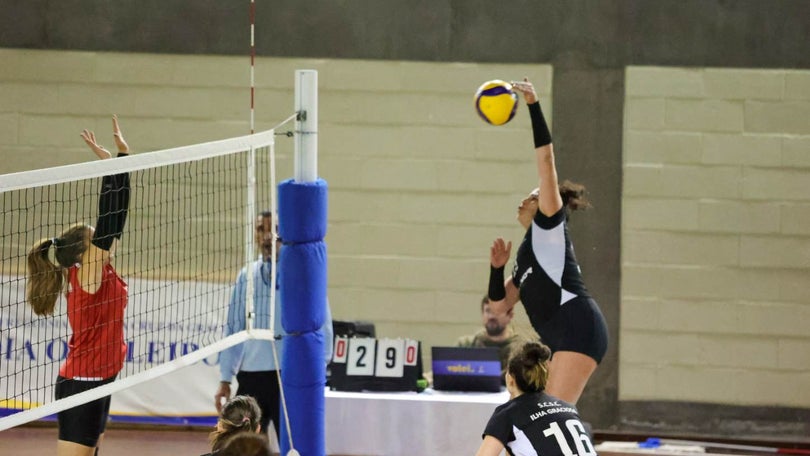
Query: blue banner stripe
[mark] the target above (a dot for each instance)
(204, 421)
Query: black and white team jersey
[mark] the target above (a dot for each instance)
(536, 424)
(546, 271)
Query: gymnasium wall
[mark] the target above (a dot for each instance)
(588, 46)
(716, 236)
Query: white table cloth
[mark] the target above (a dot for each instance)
(396, 424)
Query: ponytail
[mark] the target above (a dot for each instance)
(573, 196)
(529, 367)
(240, 414)
(44, 279)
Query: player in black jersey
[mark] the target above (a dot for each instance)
(546, 277)
(534, 422)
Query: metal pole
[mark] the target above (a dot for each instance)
(306, 125)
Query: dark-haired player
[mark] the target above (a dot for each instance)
(534, 422)
(546, 277)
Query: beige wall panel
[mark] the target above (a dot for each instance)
(793, 353)
(733, 317)
(768, 387)
(642, 313)
(696, 383)
(647, 347)
(701, 249)
(797, 85)
(796, 151)
(661, 214)
(638, 382)
(24, 97)
(795, 219)
(683, 181)
(767, 284)
(731, 149)
(655, 148)
(9, 126)
(32, 65)
(715, 244)
(738, 217)
(787, 252)
(704, 115)
(664, 82)
(644, 113)
(743, 85)
(776, 184)
(789, 116)
(749, 352)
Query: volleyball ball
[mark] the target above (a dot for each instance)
(496, 102)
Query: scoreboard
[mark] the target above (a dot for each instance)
(366, 363)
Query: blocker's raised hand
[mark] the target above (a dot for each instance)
(90, 139)
(120, 143)
(101, 152)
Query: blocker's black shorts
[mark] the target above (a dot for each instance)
(82, 424)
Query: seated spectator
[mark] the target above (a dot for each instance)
(246, 444)
(497, 332)
(241, 414)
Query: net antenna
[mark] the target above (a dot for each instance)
(249, 307)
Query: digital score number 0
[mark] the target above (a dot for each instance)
(375, 357)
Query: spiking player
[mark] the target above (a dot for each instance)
(546, 277)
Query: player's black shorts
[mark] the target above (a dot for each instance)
(85, 423)
(578, 326)
(263, 386)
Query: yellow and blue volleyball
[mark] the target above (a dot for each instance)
(496, 102)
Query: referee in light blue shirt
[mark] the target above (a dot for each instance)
(252, 361)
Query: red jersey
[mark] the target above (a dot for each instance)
(96, 348)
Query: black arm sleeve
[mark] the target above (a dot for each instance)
(542, 136)
(496, 289)
(113, 204)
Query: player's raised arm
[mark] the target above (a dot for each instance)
(113, 203)
(550, 201)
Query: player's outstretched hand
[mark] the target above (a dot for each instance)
(499, 253)
(122, 145)
(101, 152)
(527, 89)
(90, 139)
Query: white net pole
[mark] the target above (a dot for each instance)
(274, 247)
(306, 125)
(250, 217)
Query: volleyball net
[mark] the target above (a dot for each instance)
(188, 232)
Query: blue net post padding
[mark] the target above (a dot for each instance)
(302, 289)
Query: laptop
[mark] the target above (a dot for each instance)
(466, 369)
